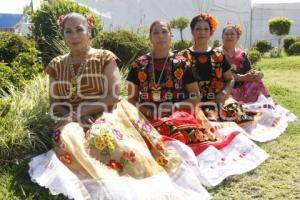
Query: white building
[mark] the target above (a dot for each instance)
(262, 12)
(133, 14)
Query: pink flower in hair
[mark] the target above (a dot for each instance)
(90, 21)
(60, 20)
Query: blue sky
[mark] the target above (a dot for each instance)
(16, 6)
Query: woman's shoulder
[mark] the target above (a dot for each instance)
(142, 61)
(240, 53)
(217, 54)
(100, 54)
(58, 59)
(186, 53)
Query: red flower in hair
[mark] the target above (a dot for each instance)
(238, 29)
(60, 20)
(90, 20)
(212, 21)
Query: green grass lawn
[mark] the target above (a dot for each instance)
(277, 178)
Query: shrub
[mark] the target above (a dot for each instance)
(11, 45)
(28, 64)
(216, 43)
(46, 32)
(127, 45)
(287, 42)
(181, 44)
(280, 26)
(8, 78)
(21, 58)
(254, 56)
(294, 49)
(179, 23)
(263, 46)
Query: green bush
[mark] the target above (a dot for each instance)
(8, 78)
(28, 64)
(47, 33)
(263, 46)
(216, 43)
(280, 26)
(288, 41)
(254, 56)
(11, 45)
(294, 49)
(21, 58)
(181, 45)
(127, 45)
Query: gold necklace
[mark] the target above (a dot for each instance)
(156, 90)
(74, 76)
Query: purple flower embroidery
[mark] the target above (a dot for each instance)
(118, 134)
(56, 135)
(63, 146)
(146, 127)
(144, 62)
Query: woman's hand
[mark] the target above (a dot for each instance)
(253, 76)
(86, 120)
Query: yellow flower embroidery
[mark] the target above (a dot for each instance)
(103, 139)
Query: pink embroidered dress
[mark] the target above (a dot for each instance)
(245, 92)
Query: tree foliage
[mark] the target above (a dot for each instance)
(179, 23)
(280, 26)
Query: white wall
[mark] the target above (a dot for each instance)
(132, 14)
(261, 13)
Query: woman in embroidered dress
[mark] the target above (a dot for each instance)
(163, 87)
(109, 159)
(248, 81)
(216, 82)
(213, 71)
(249, 87)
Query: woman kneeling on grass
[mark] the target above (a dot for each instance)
(100, 143)
(163, 87)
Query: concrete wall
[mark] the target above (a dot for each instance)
(132, 14)
(261, 13)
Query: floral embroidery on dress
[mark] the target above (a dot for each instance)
(103, 140)
(162, 160)
(115, 165)
(66, 158)
(142, 76)
(209, 88)
(169, 89)
(188, 135)
(56, 135)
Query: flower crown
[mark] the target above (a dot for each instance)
(89, 19)
(237, 27)
(212, 21)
